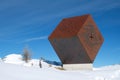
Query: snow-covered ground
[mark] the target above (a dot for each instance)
(13, 68)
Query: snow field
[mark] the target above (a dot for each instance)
(13, 68)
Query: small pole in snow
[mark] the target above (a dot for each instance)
(40, 64)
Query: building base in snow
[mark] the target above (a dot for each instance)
(88, 66)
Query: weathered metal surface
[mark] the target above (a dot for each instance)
(76, 40)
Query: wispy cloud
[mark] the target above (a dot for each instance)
(6, 4)
(24, 13)
(35, 38)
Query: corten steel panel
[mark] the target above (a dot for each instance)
(70, 50)
(68, 27)
(91, 38)
(76, 40)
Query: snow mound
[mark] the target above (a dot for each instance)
(18, 59)
(110, 67)
(13, 59)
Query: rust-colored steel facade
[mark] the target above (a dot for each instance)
(76, 40)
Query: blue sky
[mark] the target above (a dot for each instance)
(30, 22)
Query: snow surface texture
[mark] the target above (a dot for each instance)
(26, 71)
